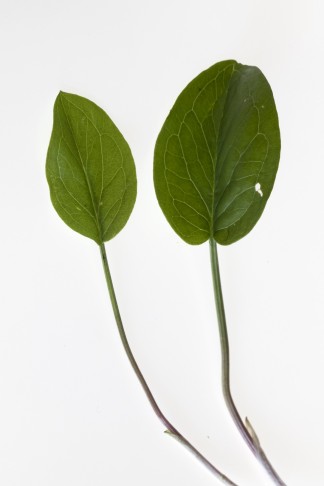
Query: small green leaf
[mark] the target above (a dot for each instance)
(90, 169)
(217, 154)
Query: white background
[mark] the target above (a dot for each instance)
(71, 410)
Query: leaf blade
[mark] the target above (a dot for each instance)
(90, 169)
(200, 189)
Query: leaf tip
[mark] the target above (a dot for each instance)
(62, 94)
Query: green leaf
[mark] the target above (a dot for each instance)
(90, 169)
(217, 154)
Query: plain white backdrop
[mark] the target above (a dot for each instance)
(71, 410)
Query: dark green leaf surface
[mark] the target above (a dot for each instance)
(217, 154)
(90, 169)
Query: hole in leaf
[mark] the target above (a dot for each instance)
(258, 189)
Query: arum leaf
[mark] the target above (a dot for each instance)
(90, 169)
(217, 154)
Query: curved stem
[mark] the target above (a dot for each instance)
(170, 428)
(246, 430)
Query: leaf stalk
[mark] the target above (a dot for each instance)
(247, 430)
(170, 428)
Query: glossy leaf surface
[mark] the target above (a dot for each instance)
(217, 154)
(90, 169)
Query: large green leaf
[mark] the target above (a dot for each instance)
(90, 169)
(217, 154)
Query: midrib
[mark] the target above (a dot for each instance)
(92, 196)
(215, 182)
